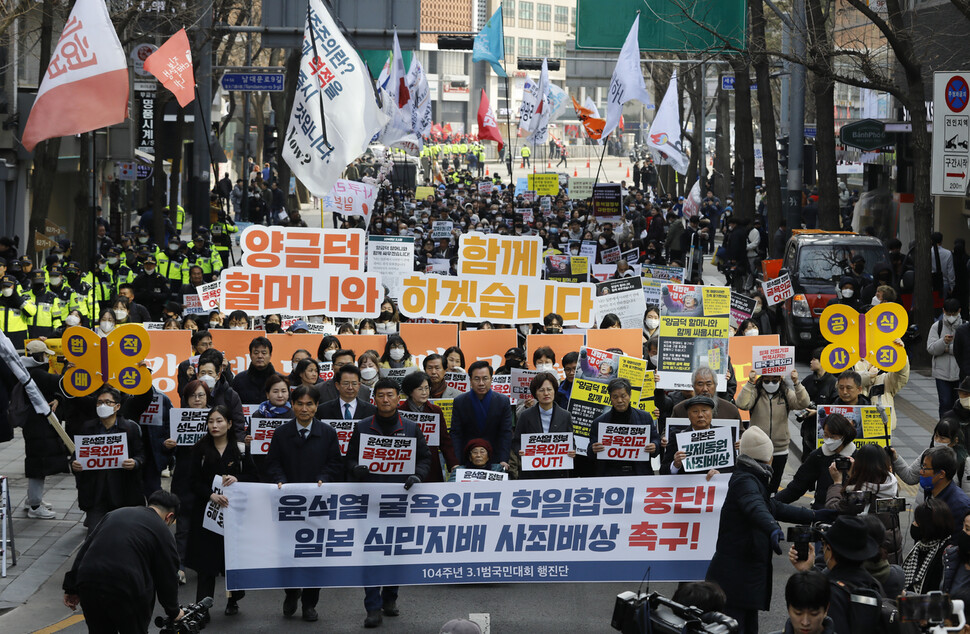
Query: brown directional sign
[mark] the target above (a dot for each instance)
(42, 242)
(53, 229)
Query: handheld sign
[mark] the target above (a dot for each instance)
(778, 289)
(392, 455)
(263, 430)
(187, 426)
(544, 452)
(479, 475)
(624, 442)
(707, 449)
(213, 520)
(344, 429)
(430, 424)
(102, 451)
(115, 360)
(868, 336)
(773, 360)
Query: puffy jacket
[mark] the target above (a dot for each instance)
(770, 411)
(945, 367)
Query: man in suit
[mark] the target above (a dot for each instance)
(347, 405)
(482, 413)
(545, 417)
(386, 421)
(328, 389)
(303, 450)
(700, 413)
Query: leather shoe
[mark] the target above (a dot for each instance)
(373, 619)
(390, 609)
(232, 608)
(289, 604)
(310, 614)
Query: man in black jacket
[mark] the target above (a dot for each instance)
(386, 422)
(128, 560)
(44, 452)
(303, 450)
(623, 415)
(250, 384)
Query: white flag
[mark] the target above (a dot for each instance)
(664, 138)
(530, 103)
(542, 117)
(335, 80)
(420, 99)
(397, 85)
(627, 81)
(558, 101)
(397, 132)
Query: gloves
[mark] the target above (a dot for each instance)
(361, 471)
(826, 516)
(776, 536)
(412, 480)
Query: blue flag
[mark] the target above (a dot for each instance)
(490, 43)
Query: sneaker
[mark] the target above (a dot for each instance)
(166, 473)
(44, 503)
(41, 513)
(390, 609)
(182, 579)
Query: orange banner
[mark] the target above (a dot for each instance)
(487, 344)
(629, 340)
(235, 345)
(168, 349)
(425, 339)
(284, 345)
(560, 344)
(362, 343)
(739, 351)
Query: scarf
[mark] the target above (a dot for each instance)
(764, 470)
(268, 410)
(480, 407)
(414, 407)
(918, 562)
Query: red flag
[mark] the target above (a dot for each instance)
(487, 128)
(171, 64)
(594, 126)
(86, 83)
(621, 122)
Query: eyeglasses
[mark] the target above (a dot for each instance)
(107, 402)
(346, 384)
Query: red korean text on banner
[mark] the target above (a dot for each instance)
(171, 64)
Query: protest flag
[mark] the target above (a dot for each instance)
(86, 83)
(320, 142)
(487, 127)
(397, 85)
(541, 119)
(421, 99)
(593, 125)
(627, 81)
(489, 44)
(171, 64)
(665, 136)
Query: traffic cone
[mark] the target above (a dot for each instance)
(621, 164)
(587, 163)
(548, 164)
(575, 172)
(628, 172)
(486, 170)
(522, 166)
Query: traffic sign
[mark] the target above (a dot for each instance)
(811, 131)
(264, 82)
(950, 174)
(868, 134)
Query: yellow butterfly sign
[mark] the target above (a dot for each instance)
(114, 360)
(870, 336)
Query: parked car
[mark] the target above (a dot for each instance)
(815, 260)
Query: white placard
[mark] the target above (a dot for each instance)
(101, 451)
(388, 455)
(778, 289)
(187, 426)
(520, 381)
(344, 429)
(262, 432)
(544, 452)
(457, 380)
(624, 442)
(706, 449)
(210, 295)
(430, 424)
(463, 474)
(214, 519)
(153, 415)
(773, 360)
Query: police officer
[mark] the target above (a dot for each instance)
(221, 237)
(58, 285)
(151, 289)
(120, 271)
(102, 274)
(89, 309)
(179, 216)
(170, 263)
(50, 310)
(15, 310)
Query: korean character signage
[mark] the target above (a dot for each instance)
(773, 360)
(479, 475)
(152, 415)
(872, 336)
(262, 430)
(302, 271)
(344, 429)
(187, 426)
(209, 296)
(543, 184)
(706, 449)
(350, 198)
(693, 333)
(489, 532)
(388, 454)
(430, 424)
(872, 427)
(115, 359)
(543, 452)
(778, 289)
(101, 451)
(214, 517)
(624, 442)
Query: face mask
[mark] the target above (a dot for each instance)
(112, 261)
(396, 354)
(602, 241)
(56, 280)
(107, 326)
(149, 270)
(272, 327)
(368, 373)
(143, 240)
(208, 380)
(104, 411)
(7, 292)
(103, 266)
(772, 387)
(965, 402)
(831, 445)
(651, 323)
(214, 324)
(328, 354)
(385, 315)
(545, 367)
(120, 313)
(926, 482)
(654, 359)
(751, 332)
(237, 328)
(367, 331)
(173, 247)
(847, 293)
(952, 319)
(876, 301)
(72, 320)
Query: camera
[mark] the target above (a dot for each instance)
(857, 502)
(890, 505)
(192, 621)
(932, 611)
(632, 612)
(843, 463)
(800, 537)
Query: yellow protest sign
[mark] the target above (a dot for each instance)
(422, 193)
(717, 300)
(446, 405)
(115, 360)
(544, 184)
(579, 265)
(871, 336)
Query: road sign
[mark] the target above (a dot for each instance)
(951, 134)
(265, 82)
(811, 131)
(144, 171)
(727, 83)
(868, 134)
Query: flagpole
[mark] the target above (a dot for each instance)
(94, 233)
(602, 154)
(508, 105)
(316, 55)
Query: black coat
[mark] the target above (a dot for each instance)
(668, 458)
(406, 429)
(44, 452)
(742, 559)
(109, 489)
(813, 473)
(497, 429)
(222, 394)
(327, 391)
(530, 423)
(332, 410)
(292, 459)
(613, 467)
(206, 550)
(249, 384)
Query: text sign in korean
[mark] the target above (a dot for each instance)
(262, 431)
(624, 442)
(707, 449)
(187, 426)
(388, 454)
(101, 451)
(543, 452)
(776, 360)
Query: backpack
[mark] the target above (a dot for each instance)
(871, 612)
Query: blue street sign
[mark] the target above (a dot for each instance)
(267, 82)
(810, 131)
(727, 82)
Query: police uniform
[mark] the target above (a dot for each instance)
(221, 238)
(50, 310)
(15, 310)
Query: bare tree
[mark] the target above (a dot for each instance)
(823, 89)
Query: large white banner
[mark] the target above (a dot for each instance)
(375, 534)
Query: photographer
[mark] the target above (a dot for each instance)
(127, 560)
(838, 434)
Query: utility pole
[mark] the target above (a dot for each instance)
(245, 144)
(796, 122)
(201, 181)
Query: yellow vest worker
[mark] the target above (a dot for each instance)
(15, 310)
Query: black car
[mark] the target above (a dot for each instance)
(815, 261)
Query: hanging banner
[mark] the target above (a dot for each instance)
(101, 451)
(545, 452)
(693, 333)
(706, 449)
(622, 297)
(340, 536)
(778, 289)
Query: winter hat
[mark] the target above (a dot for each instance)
(756, 444)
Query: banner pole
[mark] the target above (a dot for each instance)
(600, 166)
